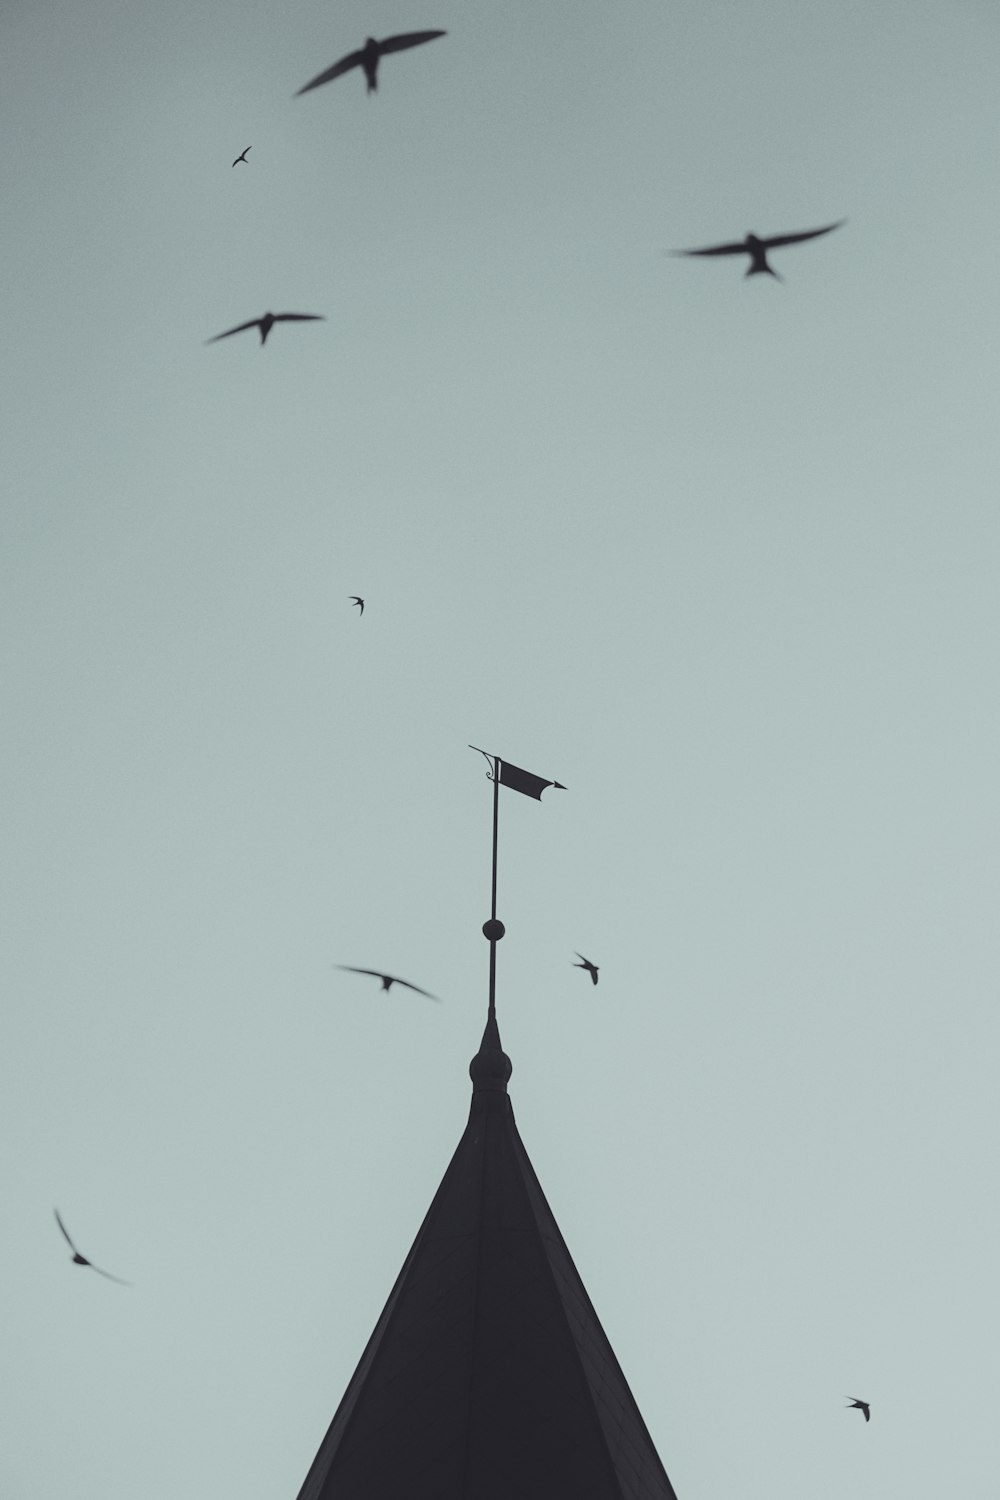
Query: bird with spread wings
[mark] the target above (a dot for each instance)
(267, 322)
(388, 980)
(757, 248)
(367, 58)
(586, 964)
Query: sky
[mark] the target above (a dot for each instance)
(719, 554)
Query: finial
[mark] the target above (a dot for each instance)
(491, 1068)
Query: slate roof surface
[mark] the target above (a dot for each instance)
(488, 1375)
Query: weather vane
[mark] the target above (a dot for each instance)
(503, 773)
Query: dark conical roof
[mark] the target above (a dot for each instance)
(488, 1375)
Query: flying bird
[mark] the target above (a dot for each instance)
(242, 157)
(388, 980)
(861, 1406)
(81, 1260)
(586, 964)
(757, 248)
(267, 322)
(356, 599)
(367, 57)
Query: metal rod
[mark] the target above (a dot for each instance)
(496, 823)
(493, 903)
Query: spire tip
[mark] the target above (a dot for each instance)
(491, 1068)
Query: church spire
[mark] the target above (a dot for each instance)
(488, 1374)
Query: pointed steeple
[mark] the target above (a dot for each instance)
(488, 1375)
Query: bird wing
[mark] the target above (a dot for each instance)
(300, 317)
(805, 234)
(108, 1274)
(253, 323)
(586, 962)
(416, 987)
(350, 969)
(734, 247)
(408, 39)
(352, 60)
(65, 1231)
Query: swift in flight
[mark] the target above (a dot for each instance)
(367, 57)
(757, 248)
(242, 157)
(357, 599)
(861, 1406)
(388, 980)
(586, 964)
(267, 322)
(81, 1260)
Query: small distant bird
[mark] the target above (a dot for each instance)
(81, 1260)
(356, 599)
(267, 322)
(861, 1406)
(242, 157)
(586, 964)
(367, 57)
(757, 248)
(388, 980)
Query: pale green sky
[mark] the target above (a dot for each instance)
(718, 554)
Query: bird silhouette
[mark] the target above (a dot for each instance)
(586, 964)
(388, 980)
(242, 157)
(81, 1260)
(861, 1406)
(356, 599)
(267, 322)
(757, 248)
(367, 57)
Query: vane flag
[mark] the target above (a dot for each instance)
(503, 773)
(512, 776)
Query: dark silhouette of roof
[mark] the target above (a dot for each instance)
(488, 1375)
